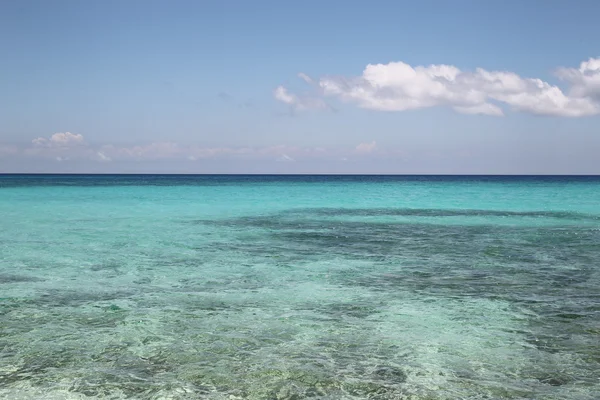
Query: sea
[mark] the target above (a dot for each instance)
(299, 287)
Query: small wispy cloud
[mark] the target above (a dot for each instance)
(285, 158)
(300, 103)
(60, 139)
(103, 157)
(305, 78)
(366, 147)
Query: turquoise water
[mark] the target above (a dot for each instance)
(187, 287)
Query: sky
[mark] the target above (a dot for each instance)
(265, 86)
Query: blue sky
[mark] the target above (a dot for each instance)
(214, 86)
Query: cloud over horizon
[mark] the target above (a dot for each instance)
(59, 139)
(366, 147)
(72, 147)
(397, 86)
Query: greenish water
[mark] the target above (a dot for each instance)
(258, 287)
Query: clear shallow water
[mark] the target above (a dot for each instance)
(187, 287)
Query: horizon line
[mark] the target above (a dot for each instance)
(283, 174)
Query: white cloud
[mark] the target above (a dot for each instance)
(65, 139)
(285, 158)
(284, 96)
(585, 80)
(305, 78)
(398, 86)
(102, 156)
(299, 103)
(60, 147)
(366, 147)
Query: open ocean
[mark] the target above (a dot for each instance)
(294, 287)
